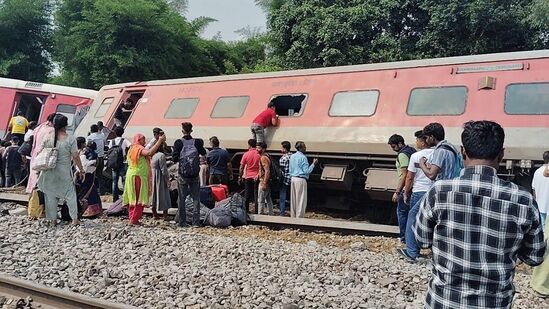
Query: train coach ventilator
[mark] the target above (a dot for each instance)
(45, 297)
(381, 182)
(338, 176)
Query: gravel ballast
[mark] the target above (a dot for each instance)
(160, 266)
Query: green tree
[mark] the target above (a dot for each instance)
(316, 33)
(25, 39)
(101, 42)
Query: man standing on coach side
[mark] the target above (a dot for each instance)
(478, 224)
(403, 158)
(443, 159)
(266, 119)
(540, 186)
(186, 151)
(414, 189)
(300, 171)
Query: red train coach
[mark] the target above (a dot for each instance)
(38, 100)
(346, 114)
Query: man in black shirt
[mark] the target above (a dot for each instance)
(13, 163)
(186, 151)
(219, 162)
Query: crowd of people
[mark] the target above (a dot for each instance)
(477, 224)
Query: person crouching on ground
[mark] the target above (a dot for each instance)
(138, 177)
(264, 193)
(478, 225)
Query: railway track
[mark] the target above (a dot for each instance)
(322, 225)
(44, 297)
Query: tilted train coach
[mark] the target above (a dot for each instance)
(37, 101)
(346, 114)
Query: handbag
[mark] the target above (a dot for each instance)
(45, 160)
(36, 207)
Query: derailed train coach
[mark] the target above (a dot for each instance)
(346, 114)
(38, 100)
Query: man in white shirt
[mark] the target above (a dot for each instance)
(416, 185)
(121, 171)
(540, 186)
(156, 134)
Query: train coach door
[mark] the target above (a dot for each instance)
(126, 107)
(30, 104)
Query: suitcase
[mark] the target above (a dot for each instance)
(206, 197)
(219, 192)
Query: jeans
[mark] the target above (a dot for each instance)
(188, 186)
(411, 244)
(282, 201)
(402, 216)
(218, 179)
(13, 177)
(116, 174)
(251, 192)
(264, 200)
(258, 133)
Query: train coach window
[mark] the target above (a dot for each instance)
(68, 111)
(527, 99)
(181, 108)
(104, 107)
(354, 103)
(437, 101)
(290, 105)
(230, 107)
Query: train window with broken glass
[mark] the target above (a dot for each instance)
(527, 99)
(230, 107)
(354, 103)
(181, 108)
(437, 101)
(289, 105)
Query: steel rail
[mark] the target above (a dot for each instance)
(48, 297)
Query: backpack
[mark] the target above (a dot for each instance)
(189, 163)
(458, 164)
(26, 148)
(115, 156)
(277, 177)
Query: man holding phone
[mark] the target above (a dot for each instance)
(156, 133)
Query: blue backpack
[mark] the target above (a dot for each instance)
(458, 163)
(189, 164)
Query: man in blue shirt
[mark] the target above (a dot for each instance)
(443, 158)
(219, 162)
(299, 171)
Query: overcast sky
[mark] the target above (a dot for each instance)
(231, 15)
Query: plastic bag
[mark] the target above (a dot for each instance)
(36, 206)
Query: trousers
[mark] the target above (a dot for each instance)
(298, 197)
(258, 133)
(264, 200)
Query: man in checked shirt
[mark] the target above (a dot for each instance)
(477, 225)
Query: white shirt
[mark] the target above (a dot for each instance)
(422, 183)
(151, 143)
(125, 144)
(99, 140)
(540, 184)
(28, 135)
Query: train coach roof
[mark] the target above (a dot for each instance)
(536, 54)
(34, 86)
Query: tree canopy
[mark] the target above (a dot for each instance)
(25, 39)
(96, 42)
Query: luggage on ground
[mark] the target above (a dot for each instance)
(36, 205)
(236, 205)
(219, 192)
(219, 217)
(206, 197)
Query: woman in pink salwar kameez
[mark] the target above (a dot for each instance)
(41, 131)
